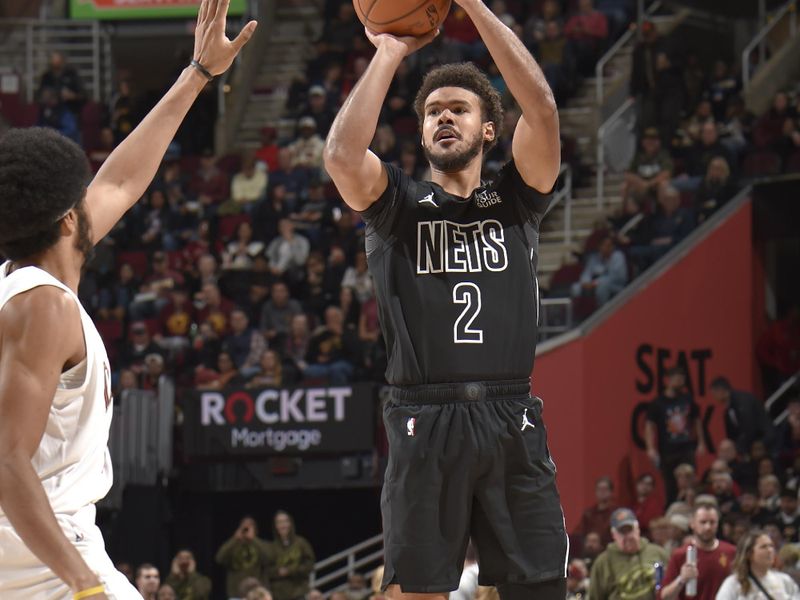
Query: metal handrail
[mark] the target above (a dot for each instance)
(612, 52)
(772, 21)
(565, 194)
(601, 148)
(352, 563)
(777, 394)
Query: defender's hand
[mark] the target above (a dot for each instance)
(212, 49)
(403, 45)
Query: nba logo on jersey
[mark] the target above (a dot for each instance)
(410, 426)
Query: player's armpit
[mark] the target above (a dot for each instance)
(40, 333)
(360, 183)
(537, 153)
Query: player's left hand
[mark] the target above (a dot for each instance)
(212, 48)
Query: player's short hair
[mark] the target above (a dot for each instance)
(469, 77)
(42, 176)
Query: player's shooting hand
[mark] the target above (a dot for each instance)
(212, 48)
(404, 45)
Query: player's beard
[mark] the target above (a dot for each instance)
(84, 243)
(452, 162)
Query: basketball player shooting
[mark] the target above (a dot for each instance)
(454, 265)
(55, 396)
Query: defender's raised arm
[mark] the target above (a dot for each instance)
(128, 171)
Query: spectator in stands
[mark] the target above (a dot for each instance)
(243, 555)
(247, 585)
(699, 157)
(651, 167)
(277, 313)
(138, 345)
(625, 569)
(338, 34)
(673, 431)
(297, 341)
(723, 86)
(647, 506)
(769, 494)
(314, 215)
(359, 278)
(670, 95)
(740, 470)
(259, 593)
(644, 73)
(209, 184)
(788, 433)
(249, 185)
(357, 587)
(716, 189)
(314, 594)
(713, 563)
(778, 350)
(114, 300)
(577, 579)
(185, 580)
(290, 560)
(226, 374)
(769, 128)
(241, 252)
(685, 483)
(63, 80)
(267, 154)
(534, 30)
(244, 344)
(663, 230)
(331, 350)
(213, 307)
(753, 575)
(123, 111)
(270, 372)
(318, 109)
(102, 150)
(597, 517)
(745, 417)
(175, 321)
(267, 215)
(55, 115)
(152, 374)
(147, 581)
(287, 253)
(736, 129)
(167, 592)
(587, 29)
(307, 148)
(292, 177)
(788, 517)
(605, 273)
(592, 547)
(557, 60)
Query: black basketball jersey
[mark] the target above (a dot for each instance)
(455, 278)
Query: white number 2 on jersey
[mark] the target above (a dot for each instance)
(469, 295)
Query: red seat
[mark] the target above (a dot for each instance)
(761, 163)
(228, 225)
(566, 275)
(137, 260)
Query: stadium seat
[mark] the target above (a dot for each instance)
(793, 163)
(761, 163)
(137, 260)
(227, 226)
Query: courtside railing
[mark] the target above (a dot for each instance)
(364, 558)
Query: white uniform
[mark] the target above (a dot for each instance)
(72, 462)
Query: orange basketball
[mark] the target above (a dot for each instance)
(402, 17)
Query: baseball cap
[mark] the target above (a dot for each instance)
(650, 132)
(622, 517)
(307, 122)
(316, 90)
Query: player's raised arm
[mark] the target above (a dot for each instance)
(359, 174)
(128, 171)
(30, 366)
(536, 147)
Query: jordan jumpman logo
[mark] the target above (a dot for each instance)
(526, 422)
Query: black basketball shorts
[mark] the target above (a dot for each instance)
(469, 460)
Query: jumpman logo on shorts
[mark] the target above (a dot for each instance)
(526, 422)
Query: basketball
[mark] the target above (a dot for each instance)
(402, 17)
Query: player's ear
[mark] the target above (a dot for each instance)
(489, 131)
(69, 223)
